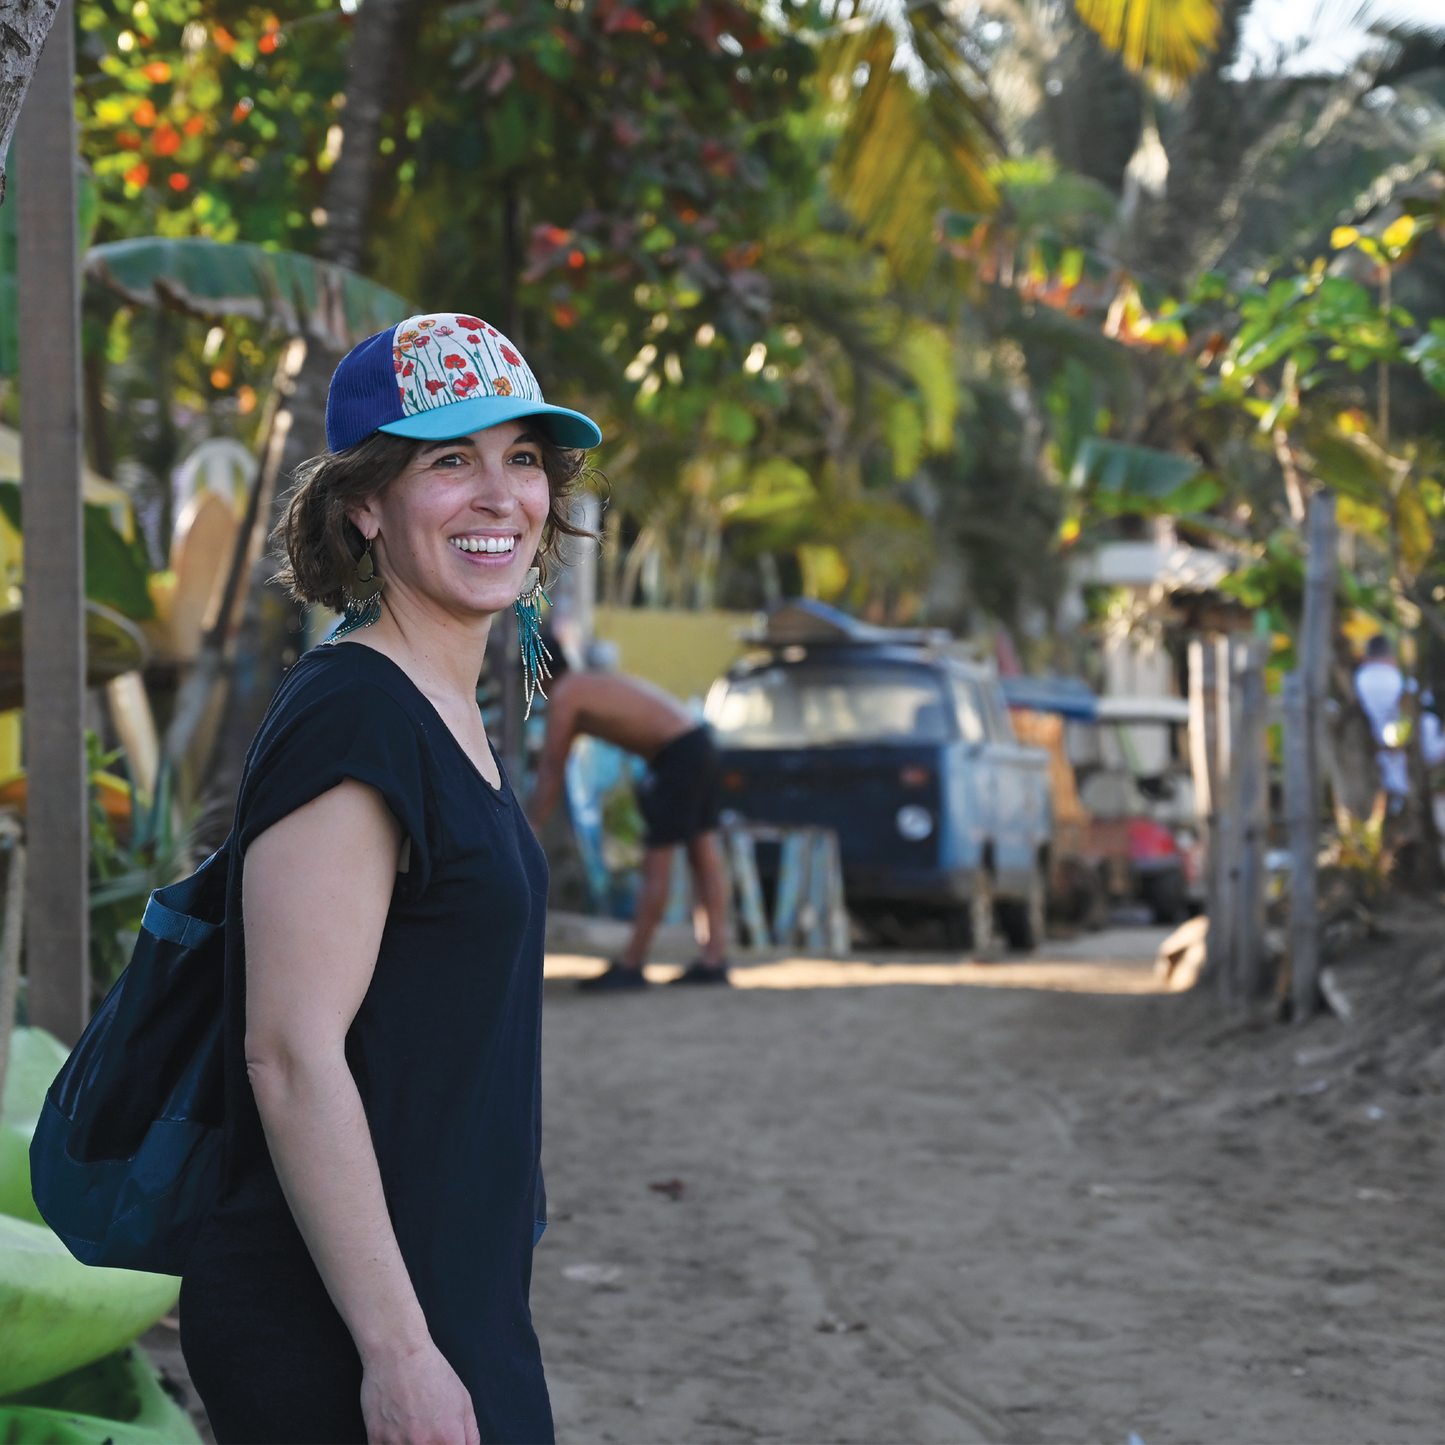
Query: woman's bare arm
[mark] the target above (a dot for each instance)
(316, 889)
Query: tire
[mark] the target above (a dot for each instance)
(1023, 919)
(1168, 898)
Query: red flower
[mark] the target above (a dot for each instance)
(470, 322)
(409, 369)
(423, 341)
(490, 332)
(401, 394)
(454, 361)
(465, 383)
(435, 386)
(510, 356)
(396, 366)
(475, 340)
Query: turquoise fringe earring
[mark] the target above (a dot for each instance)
(363, 605)
(535, 656)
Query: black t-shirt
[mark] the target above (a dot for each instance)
(445, 1047)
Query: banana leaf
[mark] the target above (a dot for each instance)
(294, 294)
(115, 570)
(1127, 478)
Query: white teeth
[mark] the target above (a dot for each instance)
(484, 544)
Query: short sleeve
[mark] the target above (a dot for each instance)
(331, 726)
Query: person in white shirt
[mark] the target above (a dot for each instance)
(1379, 685)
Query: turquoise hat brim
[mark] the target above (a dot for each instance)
(476, 413)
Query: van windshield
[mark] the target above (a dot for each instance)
(817, 705)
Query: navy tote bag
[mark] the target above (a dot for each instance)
(126, 1159)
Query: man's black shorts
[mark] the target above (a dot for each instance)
(678, 796)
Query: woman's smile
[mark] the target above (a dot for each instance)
(486, 549)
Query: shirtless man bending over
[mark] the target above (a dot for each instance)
(678, 798)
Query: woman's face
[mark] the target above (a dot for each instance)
(460, 526)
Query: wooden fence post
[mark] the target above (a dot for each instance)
(1252, 766)
(1225, 833)
(57, 808)
(1302, 820)
(1304, 749)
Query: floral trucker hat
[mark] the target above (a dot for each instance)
(438, 376)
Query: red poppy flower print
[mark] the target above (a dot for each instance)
(510, 356)
(435, 386)
(475, 340)
(490, 332)
(401, 394)
(423, 341)
(396, 365)
(465, 383)
(409, 368)
(454, 361)
(501, 386)
(471, 323)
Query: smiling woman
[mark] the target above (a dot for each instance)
(365, 1274)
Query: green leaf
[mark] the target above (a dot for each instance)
(115, 570)
(212, 279)
(1130, 474)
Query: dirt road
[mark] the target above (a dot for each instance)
(945, 1212)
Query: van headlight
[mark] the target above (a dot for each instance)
(914, 823)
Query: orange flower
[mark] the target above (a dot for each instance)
(127, 140)
(225, 41)
(195, 125)
(166, 139)
(144, 113)
(565, 315)
(266, 44)
(501, 386)
(242, 109)
(576, 260)
(138, 175)
(157, 72)
(178, 182)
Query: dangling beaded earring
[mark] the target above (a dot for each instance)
(363, 605)
(535, 656)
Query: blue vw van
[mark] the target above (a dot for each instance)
(903, 747)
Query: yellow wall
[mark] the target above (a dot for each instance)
(680, 651)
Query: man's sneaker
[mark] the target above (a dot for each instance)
(700, 972)
(615, 979)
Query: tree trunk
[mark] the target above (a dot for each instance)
(269, 638)
(24, 26)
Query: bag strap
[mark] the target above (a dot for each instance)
(163, 922)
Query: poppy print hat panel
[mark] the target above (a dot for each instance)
(441, 375)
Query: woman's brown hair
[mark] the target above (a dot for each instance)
(322, 545)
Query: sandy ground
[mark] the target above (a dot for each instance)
(925, 1199)
(1067, 1208)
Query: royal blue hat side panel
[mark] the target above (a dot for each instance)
(363, 394)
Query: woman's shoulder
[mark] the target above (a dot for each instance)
(342, 687)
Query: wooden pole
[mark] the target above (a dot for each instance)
(57, 917)
(1304, 748)
(1302, 822)
(1225, 831)
(1252, 764)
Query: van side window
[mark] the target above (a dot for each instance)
(970, 710)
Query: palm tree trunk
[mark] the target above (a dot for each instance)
(269, 638)
(22, 38)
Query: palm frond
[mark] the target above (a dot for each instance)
(916, 137)
(1170, 37)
